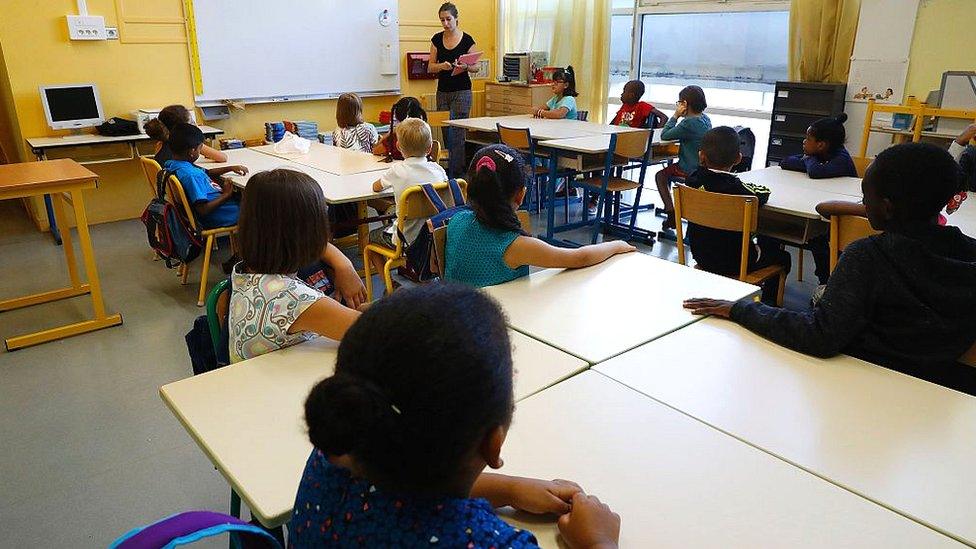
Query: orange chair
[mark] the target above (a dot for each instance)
(845, 229)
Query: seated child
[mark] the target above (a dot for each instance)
(688, 133)
(401, 436)
(904, 299)
(719, 251)
(562, 104)
(824, 154)
(212, 197)
(413, 140)
(352, 132)
(965, 155)
(406, 107)
(284, 227)
(158, 130)
(633, 112)
(486, 245)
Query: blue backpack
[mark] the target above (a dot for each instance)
(421, 251)
(192, 526)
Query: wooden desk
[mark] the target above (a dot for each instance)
(40, 145)
(774, 177)
(904, 443)
(678, 483)
(541, 128)
(226, 410)
(604, 310)
(65, 180)
(335, 160)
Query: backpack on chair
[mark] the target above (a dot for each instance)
(747, 146)
(169, 232)
(421, 258)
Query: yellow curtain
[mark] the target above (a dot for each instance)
(574, 32)
(822, 39)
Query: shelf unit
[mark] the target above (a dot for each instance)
(795, 107)
(920, 113)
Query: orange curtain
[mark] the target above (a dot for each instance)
(822, 36)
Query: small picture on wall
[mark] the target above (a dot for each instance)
(883, 81)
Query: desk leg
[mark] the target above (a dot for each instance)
(93, 287)
(551, 193)
(51, 221)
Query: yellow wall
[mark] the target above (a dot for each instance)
(8, 122)
(36, 51)
(943, 41)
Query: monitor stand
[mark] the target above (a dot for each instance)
(75, 135)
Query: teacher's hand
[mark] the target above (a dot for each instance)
(462, 66)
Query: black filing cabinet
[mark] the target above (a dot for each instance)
(796, 106)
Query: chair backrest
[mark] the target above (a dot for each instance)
(151, 168)
(582, 115)
(438, 119)
(517, 138)
(861, 164)
(414, 204)
(633, 144)
(218, 308)
(845, 229)
(657, 119)
(728, 212)
(178, 198)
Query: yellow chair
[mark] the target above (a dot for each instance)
(520, 139)
(179, 197)
(438, 120)
(730, 213)
(151, 168)
(845, 229)
(861, 164)
(413, 204)
(440, 240)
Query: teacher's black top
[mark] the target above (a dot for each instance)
(446, 82)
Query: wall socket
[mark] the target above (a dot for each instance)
(111, 33)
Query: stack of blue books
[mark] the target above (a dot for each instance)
(274, 131)
(307, 129)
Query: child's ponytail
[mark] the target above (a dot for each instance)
(342, 409)
(567, 75)
(497, 174)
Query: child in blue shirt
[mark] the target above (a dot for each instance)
(214, 204)
(824, 154)
(562, 104)
(688, 133)
(486, 245)
(400, 445)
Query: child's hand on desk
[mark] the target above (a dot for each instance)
(622, 247)
(705, 306)
(542, 497)
(591, 524)
(239, 170)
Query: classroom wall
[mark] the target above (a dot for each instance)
(36, 51)
(9, 135)
(943, 41)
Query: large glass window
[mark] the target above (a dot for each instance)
(737, 57)
(621, 42)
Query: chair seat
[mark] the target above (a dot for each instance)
(765, 273)
(616, 184)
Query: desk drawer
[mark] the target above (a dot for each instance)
(784, 122)
(506, 94)
(501, 109)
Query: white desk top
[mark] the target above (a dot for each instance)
(592, 144)
(95, 139)
(775, 176)
(334, 160)
(338, 189)
(541, 128)
(678, 483)
(601, 311)
(902, 442)
(226, 410)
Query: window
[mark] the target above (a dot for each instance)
(737, 57)
(621, 42)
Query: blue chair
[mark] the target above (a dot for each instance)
(624, 149)
(521, 140)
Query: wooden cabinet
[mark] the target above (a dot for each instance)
(505, 98)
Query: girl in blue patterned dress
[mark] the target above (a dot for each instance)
(419, 405)
(487, 246)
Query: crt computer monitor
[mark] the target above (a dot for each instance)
(72, 106)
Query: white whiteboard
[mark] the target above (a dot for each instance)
(261, 50)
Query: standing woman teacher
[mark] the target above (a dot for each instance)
(453, 91)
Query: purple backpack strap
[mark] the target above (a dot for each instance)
(191, 526)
